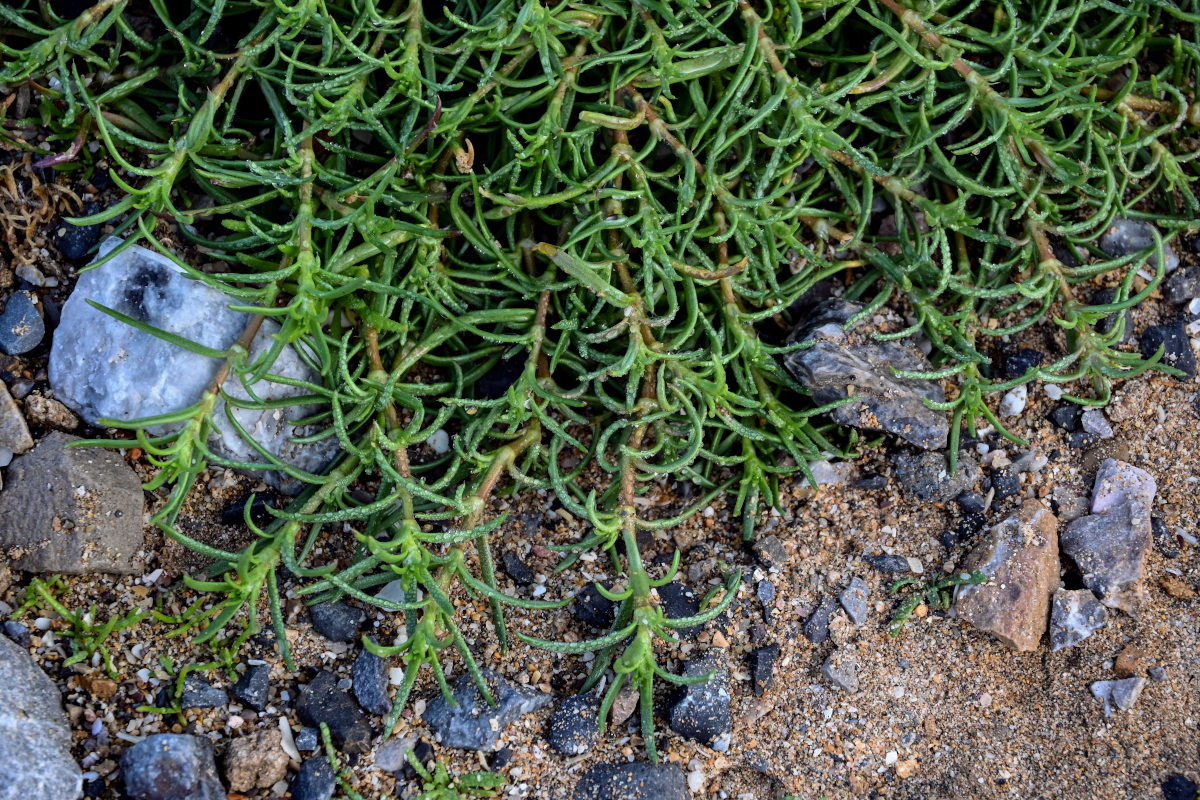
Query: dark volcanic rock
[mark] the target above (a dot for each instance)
(816, 627)
(254, 687)
(199, 693)
(521, 574)
(76, 241)
(573, 726)
(315, 780)
(321, 701)
(701, 711)
(475, 725)
(1183, 285)
(1179, 787)
(593, 608)
(337, 622)
(889, 565)
(1020, 362)
(1177, 346)
(1067, 416)
(168, 766)
(885, 401)
(762, 668)
(371, 682)
(640, 780)
(678, 602)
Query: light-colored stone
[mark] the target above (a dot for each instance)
(1123, 693)
(1076, 615)
(104, 368)
(255, 761)
(1111, 544)
(14, 432)
(841, 670)
(1020, 558)
(71, 509)
(35, 736)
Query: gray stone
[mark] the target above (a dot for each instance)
(198, 693)
(307, 740)
(35, 736)
(314, 781)
(680, 602)
(390, 754)
(472, 724)
(841, 364)
(1111, 544)
(1173, 338)
(17, 632)
(854, 599)
(770, 552)
(765, 591)
(574, 727)
(14, 431)
(1019, 556)
(842, 671)
(888, 564)
(701, 711)
(639, 780)
(928, 476)
(21, 326)
(102, 367)
(1094, 422)
(337, 622)
(1075, 614)
(1123, 693)
(371, 682)
(73, 510)
(1125, 237)
(169, 766)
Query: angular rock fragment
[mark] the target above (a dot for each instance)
(843, 364)
(1126, 236)
(472, 724)
(1075, 615)
(73, 510)
(1020, 558)
(573, 725)
(169, 766)
(854, 599)
(1111, 544)
(14, 432)
(842, 671)
(102, 367)
(255, 761)
(1122, 694)
(928, 475)
(321, 701)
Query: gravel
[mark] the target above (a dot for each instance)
(321, 701)
(253, 688)
(168, 766)
(573, 725)
(337, 622)
(472, 724)
(371, 683)
(854, 600)
(21, 326)
(314, 781)
(701, 711)
(816, 627)
(199, 693)
(762, 668)
(639, 780)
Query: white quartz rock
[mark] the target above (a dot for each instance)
(104, 368)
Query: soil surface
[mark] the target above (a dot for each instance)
(942, 710)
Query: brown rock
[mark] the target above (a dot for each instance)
(1020, 558)
(256, 761)
(1130, 661)
(1177, 588)
(100, 688)
(46, 412)
(14, 433)
(906, 769)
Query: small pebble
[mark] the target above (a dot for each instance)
(1014, 401)
(21, 326)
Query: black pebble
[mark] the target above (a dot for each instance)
(678, 601)
(888, 564)
(593, 608)
(315, 780)
(76, 241)
(871, 483)
(1066, 416)
(494, 384)
(762, 668)
(1181, 286)
(1020, 362)
(254, 687)
(235, 514)
(521, 574)
(1006, 483)
(573, 725)
(337, 622)
(499, 759)
(308, 740)
(321, 701)
(968, 525)
(1176, 343)
(971, 502)
(1178, 787)
(816, 628)
(371, 682)
(1082, 440)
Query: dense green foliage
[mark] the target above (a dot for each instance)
(617, 204)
